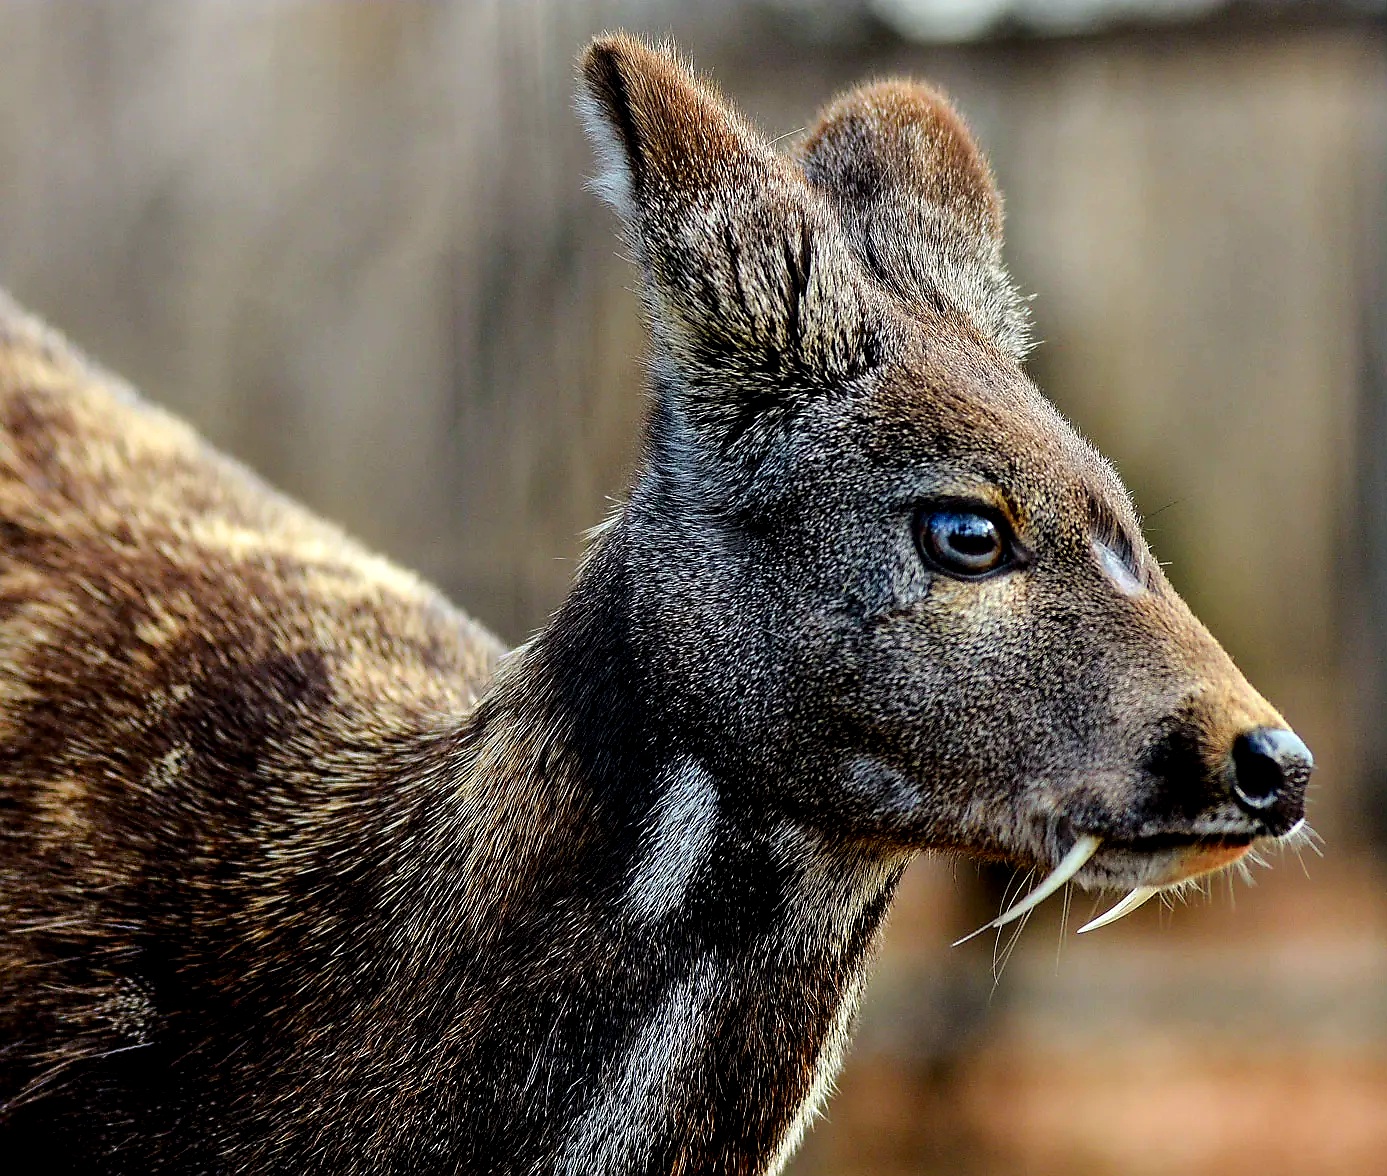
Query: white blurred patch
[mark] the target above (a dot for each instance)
(1117, 571)
(675, 844)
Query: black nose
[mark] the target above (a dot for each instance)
(1271, 767)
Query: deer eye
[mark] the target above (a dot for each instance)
(963, 540)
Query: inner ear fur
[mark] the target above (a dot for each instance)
(751, 289)
(658, 129)
(918, 203)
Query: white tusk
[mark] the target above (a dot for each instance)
(1073, 862)
(1122, 909)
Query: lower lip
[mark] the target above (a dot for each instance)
(1187, 860)
(1201, 860)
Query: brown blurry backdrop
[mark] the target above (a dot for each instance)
(350, 242)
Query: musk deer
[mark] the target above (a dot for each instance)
(299, 873)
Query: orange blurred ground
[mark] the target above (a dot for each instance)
(1230, 1037)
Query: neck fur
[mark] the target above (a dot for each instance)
(651, 979)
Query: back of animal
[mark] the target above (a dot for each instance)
(208, 700)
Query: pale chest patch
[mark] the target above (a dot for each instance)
(827, 1065)
(637, 1092)
(826, 901)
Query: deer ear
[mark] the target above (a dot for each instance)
(751, 292)
(656, 128)
(918, 203)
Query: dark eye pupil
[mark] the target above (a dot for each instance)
(962, 541)
(973, 537)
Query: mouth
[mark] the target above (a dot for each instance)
(1164, 859)
(1159, 843)
(1143, 865)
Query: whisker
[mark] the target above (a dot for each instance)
(1299, 851)
(1064, 924)
(788, 135)
(1072, 862)
(1160, 511)
(1015, 884)
(999, 968)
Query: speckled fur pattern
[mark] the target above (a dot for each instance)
(300, 873)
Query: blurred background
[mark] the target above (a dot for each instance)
(351, 243)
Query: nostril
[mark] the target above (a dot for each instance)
(1268, 764)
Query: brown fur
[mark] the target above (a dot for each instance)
(160, 606)
(912, 137)
(296, 875)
